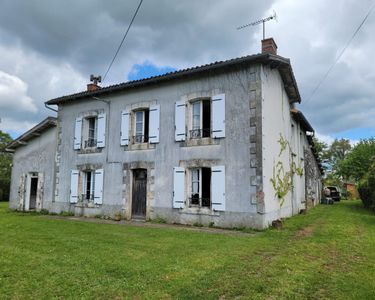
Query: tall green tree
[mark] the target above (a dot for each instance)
(358, 162)
(5, 166)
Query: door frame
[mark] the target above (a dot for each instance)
(28, 190)
(128, 186)
(132, 194)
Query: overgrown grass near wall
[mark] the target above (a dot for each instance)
(326, 254)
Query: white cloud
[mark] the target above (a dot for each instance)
(14, 125)
(65, 42)
(13, 94)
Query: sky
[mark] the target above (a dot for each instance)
(49, 48)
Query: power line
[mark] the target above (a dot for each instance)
(123, 39)
(342, 52)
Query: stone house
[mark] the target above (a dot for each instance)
(199, 145)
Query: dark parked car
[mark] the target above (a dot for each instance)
(334, 193)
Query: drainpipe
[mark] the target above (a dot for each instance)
(50, 108)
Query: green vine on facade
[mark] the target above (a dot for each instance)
(282, 181)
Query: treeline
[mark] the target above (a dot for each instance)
(346, 163)
(5, 166)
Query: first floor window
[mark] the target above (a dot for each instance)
(141, 122)
(200, 187)
(201, 119)
(90, 127)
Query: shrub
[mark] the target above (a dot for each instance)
(44, 211)
(366, 189)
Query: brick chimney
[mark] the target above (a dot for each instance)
(93, 86)
(269, 46)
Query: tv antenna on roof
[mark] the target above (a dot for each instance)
(263, 21)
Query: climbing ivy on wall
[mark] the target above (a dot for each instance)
(282, 179)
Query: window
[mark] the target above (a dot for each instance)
(206, 118)
(201, 119)
(89, 132)
(91, 124)
(200, 187)
(88, 185)
(206, 188)
(141, 124)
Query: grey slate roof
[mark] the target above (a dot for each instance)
(275, 61)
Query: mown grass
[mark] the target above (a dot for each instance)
(326, 254)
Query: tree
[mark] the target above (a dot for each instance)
(5, 166)
(321, 148)
(358, 162)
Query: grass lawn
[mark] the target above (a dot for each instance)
(327, 254)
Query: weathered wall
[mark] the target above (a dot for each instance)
(235, 151)
(37, 156)
(277, 121)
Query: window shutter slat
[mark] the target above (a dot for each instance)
(77, 134)
(101, 131)
(124, 128)
(218, 187)
(98, 187)
(154, 124)
(180, 130)
(74, 186)
(178, 187)
(218, 116)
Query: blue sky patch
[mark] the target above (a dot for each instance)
(147, 69)
(356, 133)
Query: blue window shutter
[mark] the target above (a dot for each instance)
(218, 188)
(180, 127)
(101, 131)
(74, 186)
(124, 128)
(154, 124)
(218, 116)
(98, 186)
(77, 134)
(178, 187)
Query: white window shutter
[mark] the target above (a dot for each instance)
(180, 130)
(154, 124)
(100, 136)
(124, 128)
(77, 134)
(178, 187)
(218, 187)
(98, 187)
(74, 186)
(218, 116)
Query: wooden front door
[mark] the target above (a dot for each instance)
(139, 196)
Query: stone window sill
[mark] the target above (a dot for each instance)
(90, 150)
(199, 211)
(140, 146)
(200, 142)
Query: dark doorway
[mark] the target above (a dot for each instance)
(139, 196)
(33, 192)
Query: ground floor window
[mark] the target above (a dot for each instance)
(200, 187)
(88, 185)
